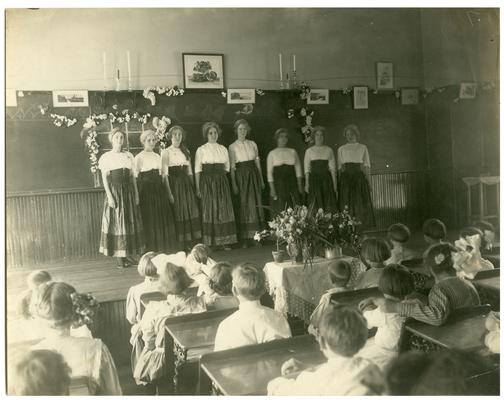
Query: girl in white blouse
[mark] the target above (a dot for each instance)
(121, 232)
(157, 213)
(247, 181)
(178, 176)
(212, 187)
(354, 183)
(285, 176)
(320, 172)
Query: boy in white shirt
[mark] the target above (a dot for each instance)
(343, 332)
(252, 323)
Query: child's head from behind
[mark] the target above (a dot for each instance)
(396, 282)
(398, 233)
(201, 252)
(488, 233)
(37, 278)
(53, 302)
(39, 373)
(249, 282)
(375, 251)
(439, 259)
(434, 231)
(343, 331)
(146, 267)
(173, 279)
(339, 272)
(221, 279)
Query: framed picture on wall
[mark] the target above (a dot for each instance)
(384, 75)
(360, 97)
(240, 96)
(203, 71)
(467, 90)
(318, 96)
(70, 98)
(409, 96)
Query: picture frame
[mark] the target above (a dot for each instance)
(360, 98)
(241, 96)
(410, 96)
(384, 75)
(318, 96)
(203, 70)
(467, 90)
(70, 98)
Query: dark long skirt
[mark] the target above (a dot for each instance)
(121, 231)
(219, 227)
(286, 187)
(353, 192)
(187, 213)
(321, 192)
(248, 181)
(157, 213)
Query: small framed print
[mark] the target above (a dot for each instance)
(384, 75)
(318, 96)
(467, 90)
(203, 71)
(410, 96)
(360, 97)
(241, 96)
(70, 98)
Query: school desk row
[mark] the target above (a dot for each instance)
(247, 370)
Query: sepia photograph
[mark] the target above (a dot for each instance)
(188, 214)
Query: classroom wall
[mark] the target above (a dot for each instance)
(51, 49)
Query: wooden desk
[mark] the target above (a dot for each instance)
(354, 297)
(247, 370)
(464, 330)
(190, 336)
(488, 285)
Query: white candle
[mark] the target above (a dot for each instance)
(280, 63)
(294, 62)
(129, 69)
(104, 70)
(118, 81)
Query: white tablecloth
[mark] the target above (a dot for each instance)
(287, 281)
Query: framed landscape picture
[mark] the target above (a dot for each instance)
(384, 75)
(203, 71)
(467, 90)
(409, 96)
(240, 96)
(70, 98)
(360, 97)
(318, 96)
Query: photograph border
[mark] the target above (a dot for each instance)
(309, 101)
(239, 101)
(403, 102)
(355, 105)
(378, 86)
(58, 104)
(188, 85)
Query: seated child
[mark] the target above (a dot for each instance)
(488, 240)
(434, 231)
(252, 323)
(396, 282)
(40, 373)
(468, 261)
(218, 292)
(198, 263)
(375, 251)
(399, 234)
(339, 274)
(448, 293)
(33, 281)
(148, 271)
(343, 332)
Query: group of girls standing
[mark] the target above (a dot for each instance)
(155, 202)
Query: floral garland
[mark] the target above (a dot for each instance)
(61, 120)
(149, 94)
(161, 125)
(85, 307)
(93, 148)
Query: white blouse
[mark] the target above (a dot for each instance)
(211, 153)
(174, 157)
(112, 160)
(319, 153)
(353, 153)
(283, 156)
(242, 151)
(147, 160)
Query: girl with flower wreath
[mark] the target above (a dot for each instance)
(58, 307)
(122, 231)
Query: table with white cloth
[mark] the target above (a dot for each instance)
(296, 288)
